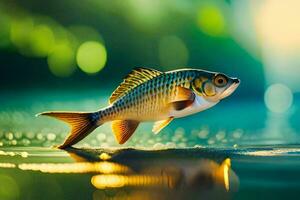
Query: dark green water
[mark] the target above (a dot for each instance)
(236, 150)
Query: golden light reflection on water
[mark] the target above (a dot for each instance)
(155, 180)
(200, 176)
(81, 167)
(7, 165)
(114, 175)
(104, 156)
(272, 152)
(23, 154)
(143, 180)
(226, 166)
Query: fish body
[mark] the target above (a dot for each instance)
(152, 99)
(151, 95)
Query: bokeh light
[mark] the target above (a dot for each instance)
(211, 20)
(277, 31)
(85, 33)
(146, 15)
(91, 57)
(278, 98)
(277, 24)
(173, 52)
(80, 167)
(19, 31)
(242, 27)
(41, 40)
(61, 60)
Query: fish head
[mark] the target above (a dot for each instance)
(214, 86)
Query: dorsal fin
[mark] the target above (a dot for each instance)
(136, 77)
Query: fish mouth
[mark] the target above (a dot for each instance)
(231, 89)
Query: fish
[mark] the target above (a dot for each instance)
(150, 95)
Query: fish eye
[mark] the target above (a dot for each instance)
(220, 80)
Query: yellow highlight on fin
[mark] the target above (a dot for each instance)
(159, 125)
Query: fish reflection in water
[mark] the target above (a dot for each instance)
(170, 177)
(205, 179)
(151, 178)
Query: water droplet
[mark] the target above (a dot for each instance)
(18, 135)
(40, 136)
(179, 132)
(220, 135)
(9, 136)
(210, 141)
(203, 134)
(237, 134)
(25, 142)
(51, 136)
(13, 142)
(30, 135)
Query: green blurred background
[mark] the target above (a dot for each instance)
(63, 43)
(70, 55)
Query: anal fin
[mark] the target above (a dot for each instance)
(159, 125)
(123, 129)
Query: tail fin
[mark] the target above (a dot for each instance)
(81, 124)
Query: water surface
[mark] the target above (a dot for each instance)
(236, 150)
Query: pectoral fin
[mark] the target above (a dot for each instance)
(183, 98)
(159, 125)
(180, 105)
(123, 129)
(183, 94)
